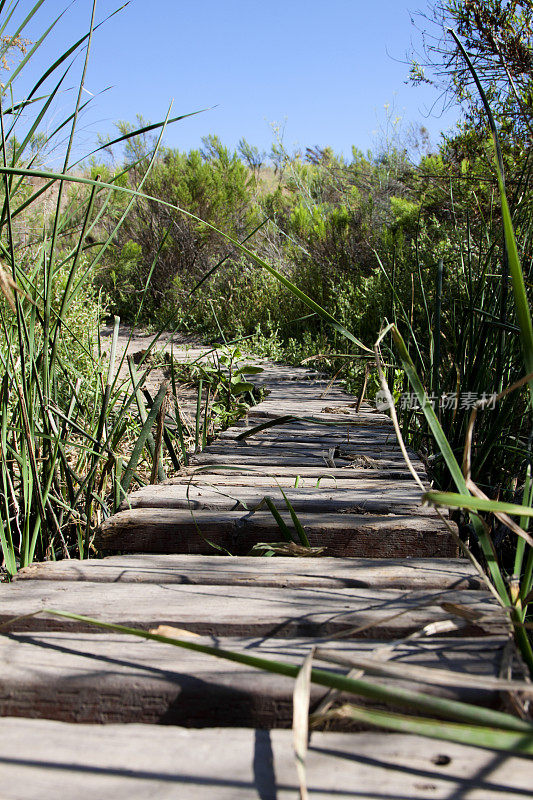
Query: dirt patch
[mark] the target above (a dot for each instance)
(137, 343)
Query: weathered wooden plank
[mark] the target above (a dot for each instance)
(367, 445)
(287, 452)
(351, 471)
(313, 391)
(415, 573)
(310, 500)
(356, 480)
(259, 459)
(116, 678)
(298, 378)
(158, 530)
(266, 459)
(303, 408)
(341, 415)
(262, 412)
(362, 438)
(134, 762)
(321, 436)
(366, 423)
(242, 610)
(344, 413)
(326, 420)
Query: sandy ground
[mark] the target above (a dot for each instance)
(136, 342)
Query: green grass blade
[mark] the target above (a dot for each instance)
(206, 418)
(455, 709)
(198, 416)
(264, 426)
(521, 303)
(223, 260)
(139, 131)
(302, 536)
(282, 525)
(141, 440)
(451, 461)
(429, 413)
(474, 735)
(452, 500)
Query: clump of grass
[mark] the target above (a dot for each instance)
(224, 391)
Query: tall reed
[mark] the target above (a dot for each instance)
(70, 437)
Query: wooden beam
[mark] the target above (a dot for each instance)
(289, 573)
(245, 610)
(109, 678)
(134, 762)
(158, 530)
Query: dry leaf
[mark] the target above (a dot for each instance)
(300, 719)
(172, 633)
(8, 286)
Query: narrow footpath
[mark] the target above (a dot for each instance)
(92, 714)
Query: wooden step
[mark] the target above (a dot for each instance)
(350, 472)
(341, 416)
(108, 677)
(288, 573)
(310, 438)
(226, 610)
(45, 759)
(353, 430)
(312, 449)
(160, 530)
(344, 420)
(259, 457)
(219, 496)
(358, 481)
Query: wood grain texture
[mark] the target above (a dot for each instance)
(244, 610)
(322, 471)
(347, 431)
(135, 762)
(358, 485)
(355, 479)
(158, 530)
(307, 449)
(281, 572)
(262, 412)
(115, 678)
(219, 496)
(300, 459)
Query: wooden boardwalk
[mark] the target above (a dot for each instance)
(388, 587)
(342, 472)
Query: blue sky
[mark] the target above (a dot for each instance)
(322, 71)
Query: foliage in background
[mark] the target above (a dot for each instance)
(369, 238)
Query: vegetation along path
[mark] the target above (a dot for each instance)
(363, 575)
